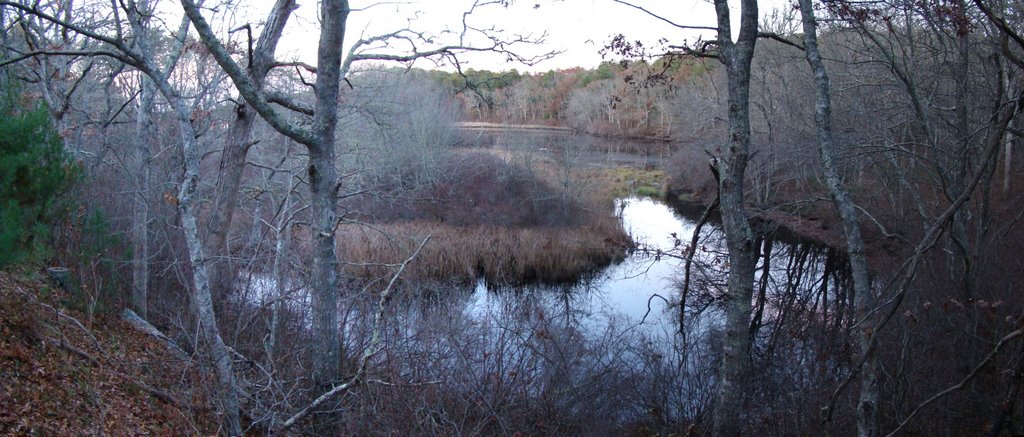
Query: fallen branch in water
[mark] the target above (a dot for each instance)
(691, 250)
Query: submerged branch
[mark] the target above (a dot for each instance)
(690, 253)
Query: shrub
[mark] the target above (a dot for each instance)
(34, 172)
(470, 189)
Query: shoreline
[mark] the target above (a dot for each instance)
(491, 126)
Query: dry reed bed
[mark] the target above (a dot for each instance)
(495, 253)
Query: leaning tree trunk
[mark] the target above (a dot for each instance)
(864, 301)
(732, 378)
(201, 299)
(201, 283)
(225, 198)
(200, 295)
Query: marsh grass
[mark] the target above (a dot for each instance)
(625, 180)
(502, 216)
(500, 254)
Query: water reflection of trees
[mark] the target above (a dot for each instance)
(536, 351)
(484, 358)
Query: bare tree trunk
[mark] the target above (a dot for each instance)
(201, 283)
(732, 377)
(1007, 161)
(864, 300)
(146, 133)
(284, 235)
(201, 297)
(1008, 147)
(239, 140)
(225, 198)
(323, 181)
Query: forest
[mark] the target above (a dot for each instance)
(802, 222)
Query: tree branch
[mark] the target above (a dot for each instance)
(289, 103)
(87, 53)
(245, 85)
(779, 38)
(663, 19)
(963, 382)
(369, 352)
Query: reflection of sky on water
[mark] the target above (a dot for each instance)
(617, 296)
(621, 292)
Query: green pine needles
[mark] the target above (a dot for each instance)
(35, 171)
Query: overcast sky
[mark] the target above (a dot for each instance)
(578, 28)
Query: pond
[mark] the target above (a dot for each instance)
(641, 293)
(579, 149)
(643, 290)
(626, 290)
(605, 350)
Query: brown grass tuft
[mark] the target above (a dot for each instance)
(496, 253)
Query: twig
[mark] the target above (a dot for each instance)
(369, 352)
(60, 314)
(160, 395)
(642, 320)
(881, 227)
(693, 250)
(64, 344)
(145, 327)
(963, 382)
(661, 18)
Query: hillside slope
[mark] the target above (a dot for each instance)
(61, 375)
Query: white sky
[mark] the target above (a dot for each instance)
(578, 28)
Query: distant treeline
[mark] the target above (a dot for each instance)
(626, 98)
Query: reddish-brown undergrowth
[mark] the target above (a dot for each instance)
(61, 375)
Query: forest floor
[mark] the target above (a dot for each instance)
(63, 374)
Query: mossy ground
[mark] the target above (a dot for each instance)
(624, 181)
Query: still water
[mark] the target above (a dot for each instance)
(626, 292)
(642, 292)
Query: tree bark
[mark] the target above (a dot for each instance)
(732, 378)
(146, 133)
(236, 147)
(864, 300)
(323, 181)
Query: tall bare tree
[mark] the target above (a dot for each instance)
(145, 130)
(323, 175)
(864, 299)
(740, 240)
(237, 144)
